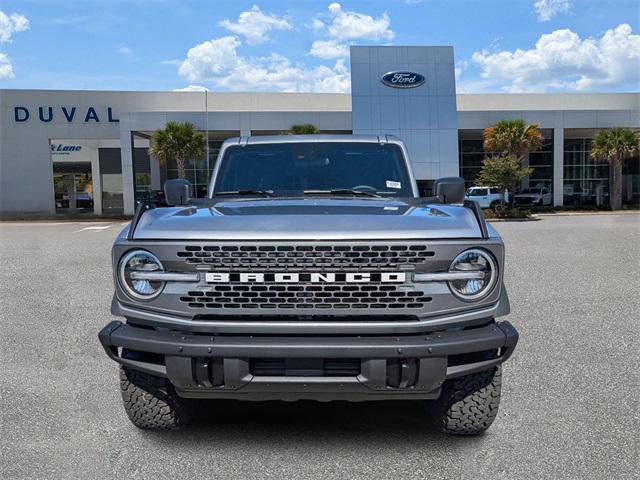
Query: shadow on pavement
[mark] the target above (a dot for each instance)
(308, 423)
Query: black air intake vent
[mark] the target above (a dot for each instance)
(305, 367)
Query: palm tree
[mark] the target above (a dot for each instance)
(303, 129)
(515, 138)
(615, 145)
(179, 141)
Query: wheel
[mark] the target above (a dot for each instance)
(468, 405)
(151, 402)
(495, 204)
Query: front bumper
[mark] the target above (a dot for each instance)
(390, 367)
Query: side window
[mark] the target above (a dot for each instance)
(495, 191)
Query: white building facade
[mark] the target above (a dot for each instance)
(86, 151)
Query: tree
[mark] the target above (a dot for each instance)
(504, 172)
(179, 141)
(615, 145)
(514, 138)
(303, 129)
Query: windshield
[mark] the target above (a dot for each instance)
(291, 169)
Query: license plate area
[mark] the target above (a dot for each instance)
(304, 367)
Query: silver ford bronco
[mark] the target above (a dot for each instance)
(312, 270)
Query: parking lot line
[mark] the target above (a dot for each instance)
(94, 228)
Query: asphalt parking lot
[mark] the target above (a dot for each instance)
(570, 405)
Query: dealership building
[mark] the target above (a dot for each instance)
(79, 151)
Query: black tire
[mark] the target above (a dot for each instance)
(495, 204)
(468, 405)
(151, 402)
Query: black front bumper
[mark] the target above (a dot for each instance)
(391, 367)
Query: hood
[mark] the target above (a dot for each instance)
(308, 219)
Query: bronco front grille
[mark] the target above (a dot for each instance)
(293, 257)
(305, 296)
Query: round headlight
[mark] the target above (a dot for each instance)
(477, 262)
(139, 261)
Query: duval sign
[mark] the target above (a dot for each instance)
(402, 79)
(68, 114)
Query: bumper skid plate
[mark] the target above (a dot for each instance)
(391, 367)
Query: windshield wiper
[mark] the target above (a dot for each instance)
(343, 191)
(265, 193)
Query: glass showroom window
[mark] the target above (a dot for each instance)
(196, 170)
(142, 169)
(586, 181)
(542, 163)
(471, 156)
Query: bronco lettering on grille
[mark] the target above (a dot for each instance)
(315, 277)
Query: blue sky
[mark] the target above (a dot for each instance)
(500, 46)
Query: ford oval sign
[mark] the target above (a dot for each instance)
(402, 79)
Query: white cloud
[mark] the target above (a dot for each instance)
(125, 51)
(329, 49)
(254, 25)
(332, 80)
(218, 61)
(460, 66)
(346, 26)
(547, 9)
(6, 69)
(10, 24)
(353, 25)
(561, 60)
(317, 25)
(210, 58)
(192, 88)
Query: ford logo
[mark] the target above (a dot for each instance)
(402, 79)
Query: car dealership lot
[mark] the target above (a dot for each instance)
(570, 393)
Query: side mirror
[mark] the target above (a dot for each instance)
(178, 191)
(449, 189)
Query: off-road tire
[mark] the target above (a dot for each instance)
(151, 402)
(468, 405)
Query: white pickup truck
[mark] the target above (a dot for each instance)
(487, 197)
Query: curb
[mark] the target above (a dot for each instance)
(516, 219)
(577, 214)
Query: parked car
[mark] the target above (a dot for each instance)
(487, 197)
(534, 196)
(84, 200)
(151, 196)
